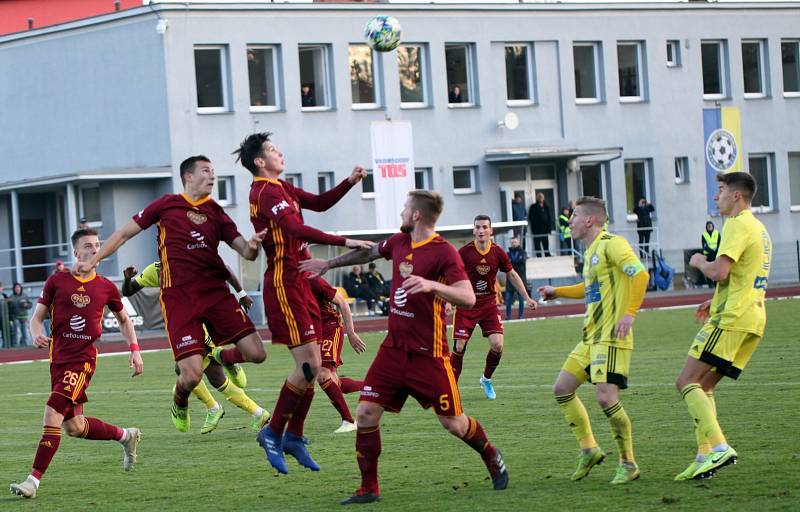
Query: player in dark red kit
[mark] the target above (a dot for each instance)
(292, 312)
(194, 291)
(482, 260)
(336, 321)
(427, 272)
(75, 304)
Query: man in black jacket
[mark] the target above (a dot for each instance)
(541, 221)
(644, 225)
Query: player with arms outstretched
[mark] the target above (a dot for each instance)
(75, 304)
(292, 312)
(413, 360)
(194, 294)
(482, 260)
(735, 318)
(613, 287)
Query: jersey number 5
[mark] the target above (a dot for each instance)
(444, 402)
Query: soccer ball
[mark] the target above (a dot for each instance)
(721, 150)
(383, 33)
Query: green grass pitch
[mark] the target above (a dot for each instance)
(422, 467)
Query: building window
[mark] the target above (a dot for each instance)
(295, 179)
(423, 178)
(714, 75)
(368, 186)
(586, 58)
(211, 77)
(630, 66)
(225, 191)
(464, 180)
(592, 180)
(363, 78)
(673, 53)
(519, 74)
(459, 63)
(324, 181)
(90, 206)
(262, 70)
(761, 170)
(681, 169)
(315, 77)
(637, 183)
(790, 55)
(794, 181)
(412, 64)
(753, 59)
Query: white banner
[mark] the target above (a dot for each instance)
(392, 170)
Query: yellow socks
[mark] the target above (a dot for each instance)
(622, 431)
(703, 411)
(238, 397)
(204, 395)
(578, 420)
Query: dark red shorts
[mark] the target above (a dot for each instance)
(292, 312)
(331, 346)
(395, 374)
(71, 380)
(485, 315)
(187, 308)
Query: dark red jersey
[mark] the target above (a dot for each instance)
(325, 293)
(482, 268)
(277, 206)
(76, 310)
(189, 234)
(417, 322)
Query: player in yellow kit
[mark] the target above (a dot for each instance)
(734, 319)
(231, 385)
(613, 287)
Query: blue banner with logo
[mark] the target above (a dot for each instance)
(722, 134)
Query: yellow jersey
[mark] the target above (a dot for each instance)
(608, 265)
(738, 303)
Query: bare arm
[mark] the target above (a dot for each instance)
(129, 333)
(248, 249)
(110, 246)
(459, 294)
(244, 300)
(347, 317)
(520, 286)
(37, 326)
(717, 270)
(317, 267)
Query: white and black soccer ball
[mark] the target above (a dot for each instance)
(383, 33)
(721, 150)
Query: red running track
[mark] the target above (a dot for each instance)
(374, 324)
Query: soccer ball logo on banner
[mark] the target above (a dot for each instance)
(721, 150)
(383, 33)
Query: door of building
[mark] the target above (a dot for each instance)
(528, 181)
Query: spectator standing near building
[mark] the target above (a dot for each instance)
(519, 212)
(19, 303)
(541, 222)
(517, 256)
(564, 231)
(644, 225)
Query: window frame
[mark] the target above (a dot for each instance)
(371, 178)
(675, 44)
(295, 178)
(682, 170)
(326, 103)
(94, 224)
(230, 186)
(796, 156)
(276, 68)
(530, 63)
(425, 79)
(225, 76)
(763, 67)
(722, 69)
(473, 179)
(598, 67)
(648, 184)
(770, 171)
(791, 94)
(472, 85)
(640, 72)
(427, 177)
(377, 84)
(603, 183)
(328, 176)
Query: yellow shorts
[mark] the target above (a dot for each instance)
(599, 362)
(727, 351)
